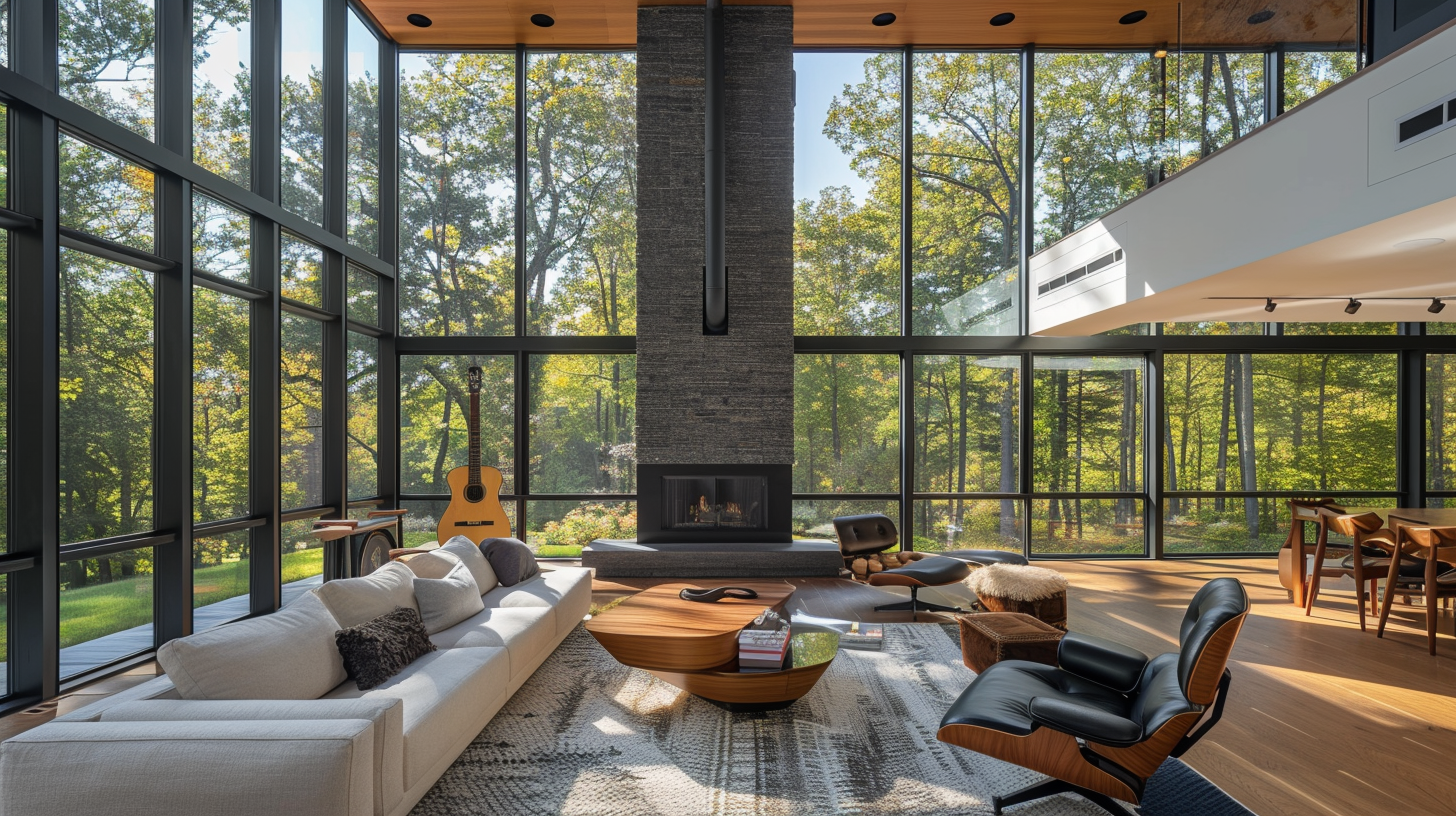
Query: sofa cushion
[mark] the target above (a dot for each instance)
(433, 564)
(358, 600)
(378, 650)
(444, 695)
(566, 592)
(474, 560)
(446, 601)
(288, 655)
(526, 633)
(511, 559)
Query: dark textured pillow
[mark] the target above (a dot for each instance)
(377, 650)
(511, 559)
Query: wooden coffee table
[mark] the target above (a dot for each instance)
(694, 646)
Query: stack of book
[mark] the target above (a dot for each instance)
(869, 636)
(763, 644)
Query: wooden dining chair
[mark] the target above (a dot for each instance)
(1428, 555)
(1371, 545)
(1302, 512)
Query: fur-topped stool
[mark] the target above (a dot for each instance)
(1034, 591)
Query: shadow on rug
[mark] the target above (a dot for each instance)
(586, 735)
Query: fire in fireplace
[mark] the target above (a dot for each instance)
(708, 502)
(713, 503)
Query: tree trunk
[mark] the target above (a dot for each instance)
(1319, 426)
(1008, 456)
(1230, 100)
(1203, 146)
(1220, 476)
(1245, 430)
(1436, 411)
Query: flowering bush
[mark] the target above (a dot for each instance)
(588, 522)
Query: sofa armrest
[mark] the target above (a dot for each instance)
(201, 768)
(386, 714)
(1084, 721)
(158, 688)
(1104, 662)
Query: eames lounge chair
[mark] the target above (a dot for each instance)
(873, 533)
(1103, 720)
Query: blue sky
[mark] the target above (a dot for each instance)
(818, 162)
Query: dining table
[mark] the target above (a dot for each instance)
(1393, 517)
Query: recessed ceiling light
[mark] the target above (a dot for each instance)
(1003, 18)
(1261, 17)
(420, 21)
(1419, 243)
(883, 19)
(1133, 17)
(542, 20)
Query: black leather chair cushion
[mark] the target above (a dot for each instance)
(1380, 567)
(1215, 604)
(1087, 722)
(1114, 665)
(1000, 697)
(930, 571)
(987, 557)
(862, 535)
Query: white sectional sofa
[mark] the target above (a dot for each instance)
(347, 752)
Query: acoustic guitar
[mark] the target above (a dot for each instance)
(475, 510)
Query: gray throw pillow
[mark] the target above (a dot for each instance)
(379, 649)
(511, 559)
(446, 601)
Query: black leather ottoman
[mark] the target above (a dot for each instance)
(987, 557)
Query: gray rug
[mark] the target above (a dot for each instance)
(587, 735)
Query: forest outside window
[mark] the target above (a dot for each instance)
(107, 59)
(222, 240)
(221, 405)
(221, 578)
(362, 382)
(583, 423)
(107, 196)
(106, 609)
(846, 423)
(434, 415)
(363, 139)
(302, 405)
(222, 82)
(301, 97)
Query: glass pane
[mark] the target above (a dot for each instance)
(4, 409)
(581, 158)
(1307, 73)
(106, 424)
(302, 272)
(1087, 527)
(303, 558)
(1212, 328)
(1440, 438)
(1087, 435)
(423, 520)
(107, 196)
(1280, 421)
(106, 54)
(1095, 136)
(847, 194)
(1219, 97)
(559, 529)
(363, 146)
(967, 134)
(221, 578)
(815, 519)
(222, 240)
(846, 423)
(363, 297)
(583, 423)
(302, 432)
(4, 143)
(434, 412)
(1292, 329)
(457, 194)
(106, 610)
(221, 404)
(968, 524)
(966, 426)
(301, 96)
(1226, 524)
(4, 635)
(222, 88)
(1440, 328)
(363, 407)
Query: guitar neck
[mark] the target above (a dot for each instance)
(475, 438)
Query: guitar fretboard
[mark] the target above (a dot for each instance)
(475, 437)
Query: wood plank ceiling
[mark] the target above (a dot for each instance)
(1052, 23)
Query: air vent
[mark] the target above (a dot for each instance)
(1428, 120)
(1080, 272)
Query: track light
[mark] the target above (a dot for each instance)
(1352, 307)
(1436, 306)
(1269, 304)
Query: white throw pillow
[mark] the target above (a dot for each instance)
(474, 560)
(433, 564)
(288, 655)
(353, 601)
(446, 601)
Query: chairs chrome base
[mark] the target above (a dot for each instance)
(917, 605)
(1053, 787)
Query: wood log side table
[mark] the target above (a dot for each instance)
(694, 646)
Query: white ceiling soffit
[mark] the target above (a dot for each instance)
(1332, 200)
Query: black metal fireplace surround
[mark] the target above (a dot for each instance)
(682, 504)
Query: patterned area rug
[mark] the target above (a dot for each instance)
(587, 735)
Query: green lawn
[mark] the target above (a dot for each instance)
(103, 609)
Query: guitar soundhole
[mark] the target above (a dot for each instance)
(474, 493)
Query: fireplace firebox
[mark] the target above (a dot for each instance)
(713, 503)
